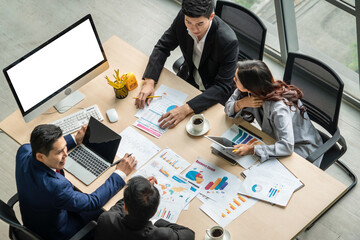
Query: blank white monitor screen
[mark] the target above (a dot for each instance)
(52, 68)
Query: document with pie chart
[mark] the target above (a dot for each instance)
(148, 117)
(266, 188)
(216, 183)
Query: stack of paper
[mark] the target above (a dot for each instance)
(219, 192)
(270, 181)
(176, 191)
(149, 116)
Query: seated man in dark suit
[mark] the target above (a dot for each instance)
(49, 204)
(210, 49)
(129, 218)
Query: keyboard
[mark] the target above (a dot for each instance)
(88, 160)
(73, 122)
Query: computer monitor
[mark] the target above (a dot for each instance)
(54, 70)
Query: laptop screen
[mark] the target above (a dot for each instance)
(101, 140)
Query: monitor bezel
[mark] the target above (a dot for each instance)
(76, 83)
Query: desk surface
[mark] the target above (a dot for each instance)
(262, 221)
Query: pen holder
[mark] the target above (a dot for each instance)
(121, 92)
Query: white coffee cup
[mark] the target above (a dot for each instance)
(197, 122)
(215, 233)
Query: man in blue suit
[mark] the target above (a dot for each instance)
(49, 204)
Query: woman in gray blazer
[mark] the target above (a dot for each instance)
(277, 108)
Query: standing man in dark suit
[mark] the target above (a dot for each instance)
(49, 204)
(210, 49)
(129, 218)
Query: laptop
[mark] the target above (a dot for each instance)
(94, 156)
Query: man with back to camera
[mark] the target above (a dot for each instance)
(129, 218)
(210, 49)
(49, 204)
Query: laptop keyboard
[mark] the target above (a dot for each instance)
(88, 161)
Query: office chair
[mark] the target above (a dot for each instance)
(323, 90)
(19, 232)
(249, 29)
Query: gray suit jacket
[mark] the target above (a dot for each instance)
(291, 131)
(217, 65)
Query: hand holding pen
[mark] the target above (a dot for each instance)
(243, 149)
(126, 164)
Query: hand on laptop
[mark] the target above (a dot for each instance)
(127, 164)
(80, 134)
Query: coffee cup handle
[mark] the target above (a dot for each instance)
(208, 233)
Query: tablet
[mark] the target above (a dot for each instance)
(222, 142)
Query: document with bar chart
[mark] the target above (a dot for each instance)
(228, 210)
(276, 189)
(239, 136)
(173, 160)
(215, 181)
(168, 211)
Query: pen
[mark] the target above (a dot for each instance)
(148, 97)
(234, 150)
(118, 161)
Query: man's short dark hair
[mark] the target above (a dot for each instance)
(141, 198)
(197, 8)
(43, 137)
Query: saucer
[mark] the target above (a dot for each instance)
(190, 130)
(226, 236)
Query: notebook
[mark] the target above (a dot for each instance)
(90, 159)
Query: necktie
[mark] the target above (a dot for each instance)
(58, 171)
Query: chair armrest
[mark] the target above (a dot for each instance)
(325, 146)
(14, 199)
(85, 230)
(177, 64)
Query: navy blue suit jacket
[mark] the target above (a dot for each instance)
(49, 204)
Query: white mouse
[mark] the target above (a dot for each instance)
(112, 115)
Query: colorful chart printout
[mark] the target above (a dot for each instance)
(215, 181)
(226, 211)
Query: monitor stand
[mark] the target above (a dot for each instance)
(69, 101)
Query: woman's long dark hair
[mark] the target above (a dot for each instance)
(256, 77)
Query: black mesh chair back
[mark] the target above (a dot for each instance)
(16, 230)
(322, 89)
(248, 27)
(321, 86)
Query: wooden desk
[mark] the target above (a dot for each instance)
(262, 221)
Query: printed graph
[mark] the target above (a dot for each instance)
(233, 205)
(245, 138)
(219, 184)
(273, 192)
(173, 160)
(170, 161)
(166, 214)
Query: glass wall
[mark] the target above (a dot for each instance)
(323, 30)
(328, 33)
(265, 9)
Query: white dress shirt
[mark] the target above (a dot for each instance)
(197, 53)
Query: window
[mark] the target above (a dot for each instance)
(265, 9)
(328, 33)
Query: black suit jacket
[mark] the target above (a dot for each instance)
(115, 224)
(217, 65)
